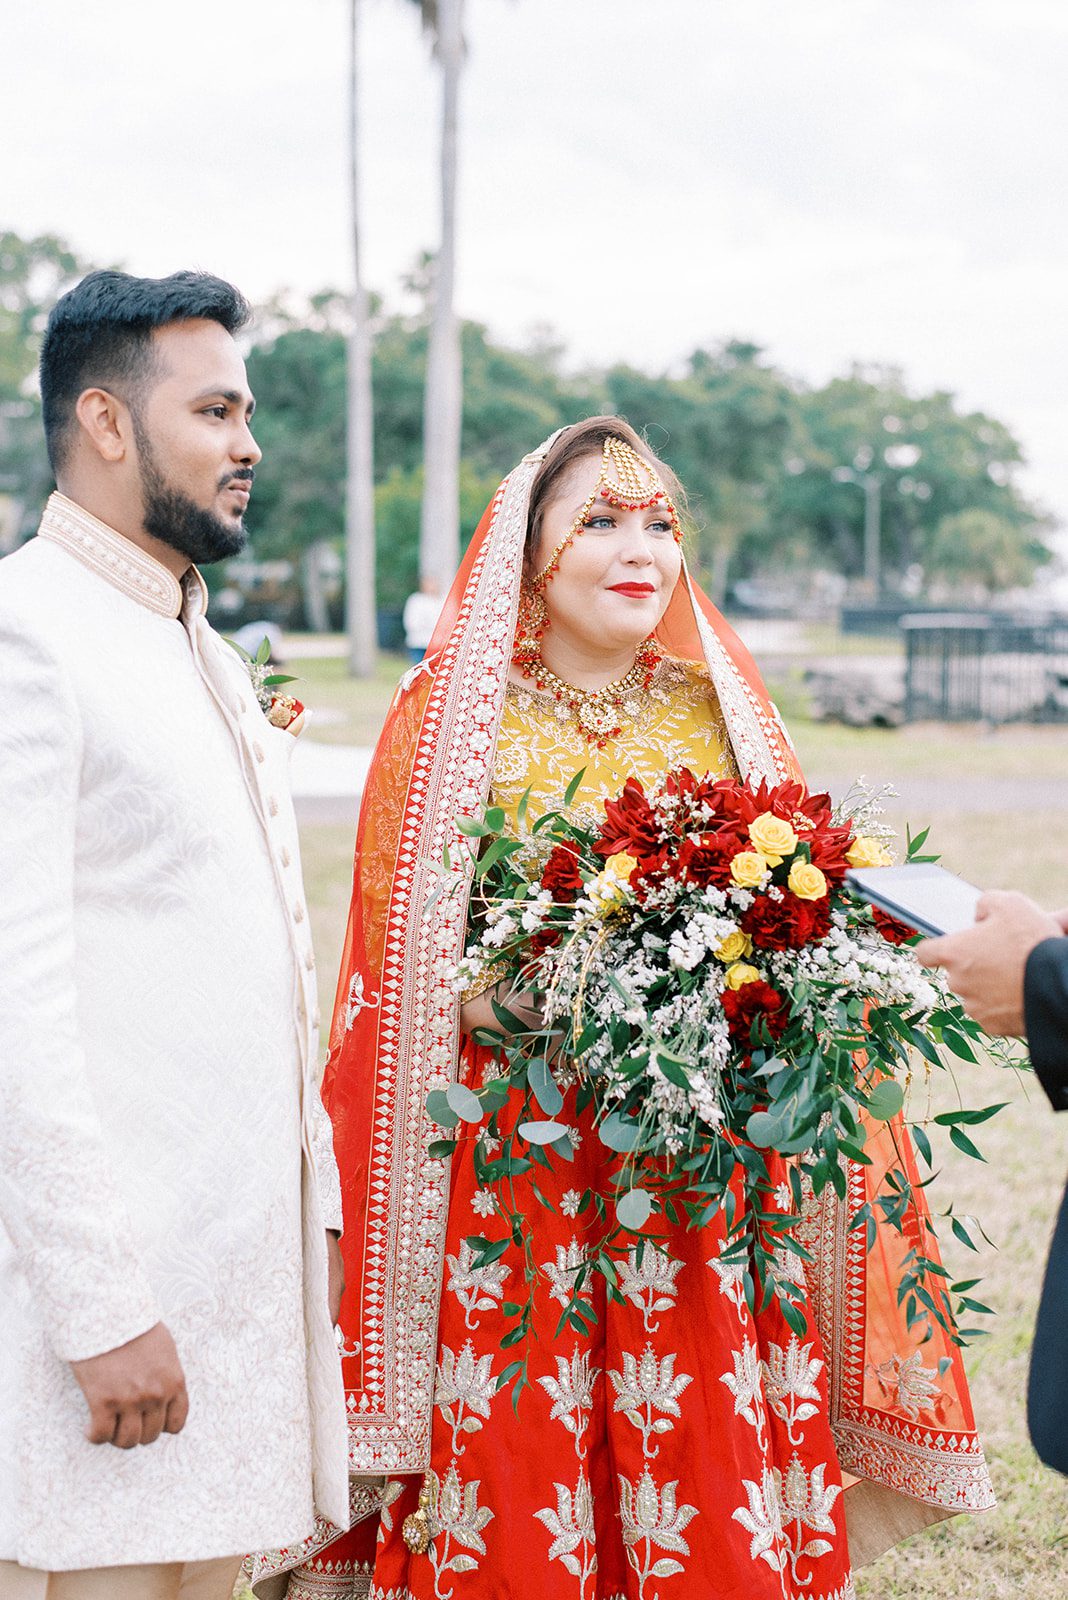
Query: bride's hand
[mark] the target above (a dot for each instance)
(478, 1013)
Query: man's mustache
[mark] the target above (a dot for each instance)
(245, 475)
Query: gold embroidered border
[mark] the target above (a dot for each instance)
(938, 1465)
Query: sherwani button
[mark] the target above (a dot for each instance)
(284, 853)
(272, 805)
(257, 751)
(298, 913)
(309, 961)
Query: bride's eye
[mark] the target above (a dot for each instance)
(660, 526)
(599, 522)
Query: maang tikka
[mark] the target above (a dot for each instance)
(626, 481)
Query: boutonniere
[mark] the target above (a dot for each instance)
(281, 710)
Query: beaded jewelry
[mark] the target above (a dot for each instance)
(626, 481)
(629, 483)
(599, 713)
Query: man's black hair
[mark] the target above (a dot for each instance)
(99, 335)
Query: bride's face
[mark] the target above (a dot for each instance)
(616, 577)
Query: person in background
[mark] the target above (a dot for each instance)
(1011, 973)
(420, 614)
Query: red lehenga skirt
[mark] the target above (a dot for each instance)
(679, 1448)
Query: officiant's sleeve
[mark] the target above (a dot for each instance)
(1046, 1017)
(58, 1200)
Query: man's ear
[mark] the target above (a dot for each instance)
(105, 422)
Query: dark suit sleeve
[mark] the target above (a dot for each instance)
(1046, 1016)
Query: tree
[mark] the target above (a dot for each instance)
(439, 544)
(977, 553)
(33, 274)
(299, 509)
(928, 460)
(359, 437)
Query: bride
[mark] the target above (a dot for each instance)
(684, 1444)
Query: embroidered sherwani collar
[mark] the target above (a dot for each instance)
(120, 562)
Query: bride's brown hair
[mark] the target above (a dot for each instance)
(576, 444)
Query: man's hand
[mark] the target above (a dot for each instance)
(985, 964)
(135, 1392)
(335, 1268)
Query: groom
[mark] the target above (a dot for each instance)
(170, 1394)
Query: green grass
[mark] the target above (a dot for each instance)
(1019, 1551)
(354, 707)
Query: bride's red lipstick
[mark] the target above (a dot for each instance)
(637, 591)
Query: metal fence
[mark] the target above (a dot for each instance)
(969, 668)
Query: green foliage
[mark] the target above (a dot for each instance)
(981, 549)
(33, 275)
(755, 449)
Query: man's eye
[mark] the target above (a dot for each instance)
(215, 411)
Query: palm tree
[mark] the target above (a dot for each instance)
(360, 488)
(439, 531)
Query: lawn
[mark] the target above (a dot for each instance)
(1021, 1549)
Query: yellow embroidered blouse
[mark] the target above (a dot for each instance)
(675, 722)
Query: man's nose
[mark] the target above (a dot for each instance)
(246, 450)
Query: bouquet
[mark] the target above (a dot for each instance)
(729, 1017)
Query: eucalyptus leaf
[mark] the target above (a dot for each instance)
(466, 1104)
(541, 1132)
(885, 1100)
(544, 1086)
(634, 1209)
(619, 1133)
(438, 1107)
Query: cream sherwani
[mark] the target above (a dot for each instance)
(164, 1155)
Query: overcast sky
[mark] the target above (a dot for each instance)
(882, 180)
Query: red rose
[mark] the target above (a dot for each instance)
(893, 931)
(752, 1003)
(561, 876)
(630, 824)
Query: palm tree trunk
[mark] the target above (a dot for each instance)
(360, 488)
(439, 533)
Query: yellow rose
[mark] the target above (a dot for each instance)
(621, 864)
(773, 837)
(865, 852)
(734, 946)
(807, 881)
(740, 974)
(748, 868)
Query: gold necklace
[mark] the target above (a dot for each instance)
(598, 713)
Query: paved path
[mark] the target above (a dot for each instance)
(328, 780)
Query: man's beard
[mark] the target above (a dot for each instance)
(175, 519)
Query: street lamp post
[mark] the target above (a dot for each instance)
(871, 484)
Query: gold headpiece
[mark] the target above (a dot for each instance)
(628, 482)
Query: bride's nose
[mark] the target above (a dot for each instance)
(637, 548)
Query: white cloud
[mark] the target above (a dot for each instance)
(880, 179)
